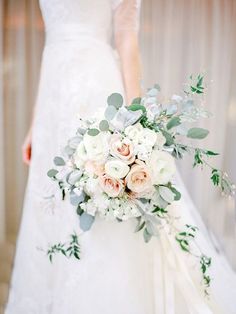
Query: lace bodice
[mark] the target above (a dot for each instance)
(70, 19)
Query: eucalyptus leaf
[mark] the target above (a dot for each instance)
(175, 121)
(166, 194)
(74, 176)
(160, 202)
(136, 100)
(139, 226)
(110, 112)
(157, 86)
(136, 107)
(81, 131)
(74, 141)
(59, 161)
(86, 221)
(52, 173)
(168, 137)
(149, 100)
(197, 133)
(125, 117)
(115, 100)
(177, 193)
(104, 126)
(188, 105)
(151, 228)
(152, 92)
(93, 132)
(68, 150)
(146, 235)
(76, 199)
(171, 109)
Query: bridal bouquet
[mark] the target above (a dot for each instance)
(123, 166)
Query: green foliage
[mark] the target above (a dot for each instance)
(196, 86)
(146, 235)
(205, 263)
(115, 100)
(76, 199)
(215, 177)
(110, 112)
(136, 107)
(71, 249)
(86, 221)
(197, 133)
(177, 194)
(179, 150)
(184, 239)
(93, 132)
(198, 157)
(104, 126)
(166, 194)
(152, 92)
(136, 101)
(173, 122)
(52, 173)
(159, 211)
(169, 138)
(59, 161)
(210, 153)
(140, 225)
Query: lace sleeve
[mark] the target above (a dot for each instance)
(126, 15)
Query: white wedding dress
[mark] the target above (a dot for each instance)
(118, 273)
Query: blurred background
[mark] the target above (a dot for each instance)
(177, 38)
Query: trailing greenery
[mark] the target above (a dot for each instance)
(70, 249)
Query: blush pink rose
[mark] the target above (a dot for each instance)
(138, 179)
(122, 149)
(112, 187)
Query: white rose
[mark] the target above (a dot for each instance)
(143, 152)
(97, 147)
(148, 137)
(162, 167)
(116, 169)
(92, 186)
(160, 141)
(133, 132)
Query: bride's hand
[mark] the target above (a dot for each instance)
(27, 147)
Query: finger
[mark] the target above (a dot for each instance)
(26, 155)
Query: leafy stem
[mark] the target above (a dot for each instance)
(218, 177)
(67, 249)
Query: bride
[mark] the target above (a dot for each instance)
(118, 272)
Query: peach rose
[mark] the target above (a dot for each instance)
(111, 186)
(138, 179)
(122, 149)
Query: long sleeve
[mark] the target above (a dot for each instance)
(126, 27)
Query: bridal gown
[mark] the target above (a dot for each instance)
(118, 273)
